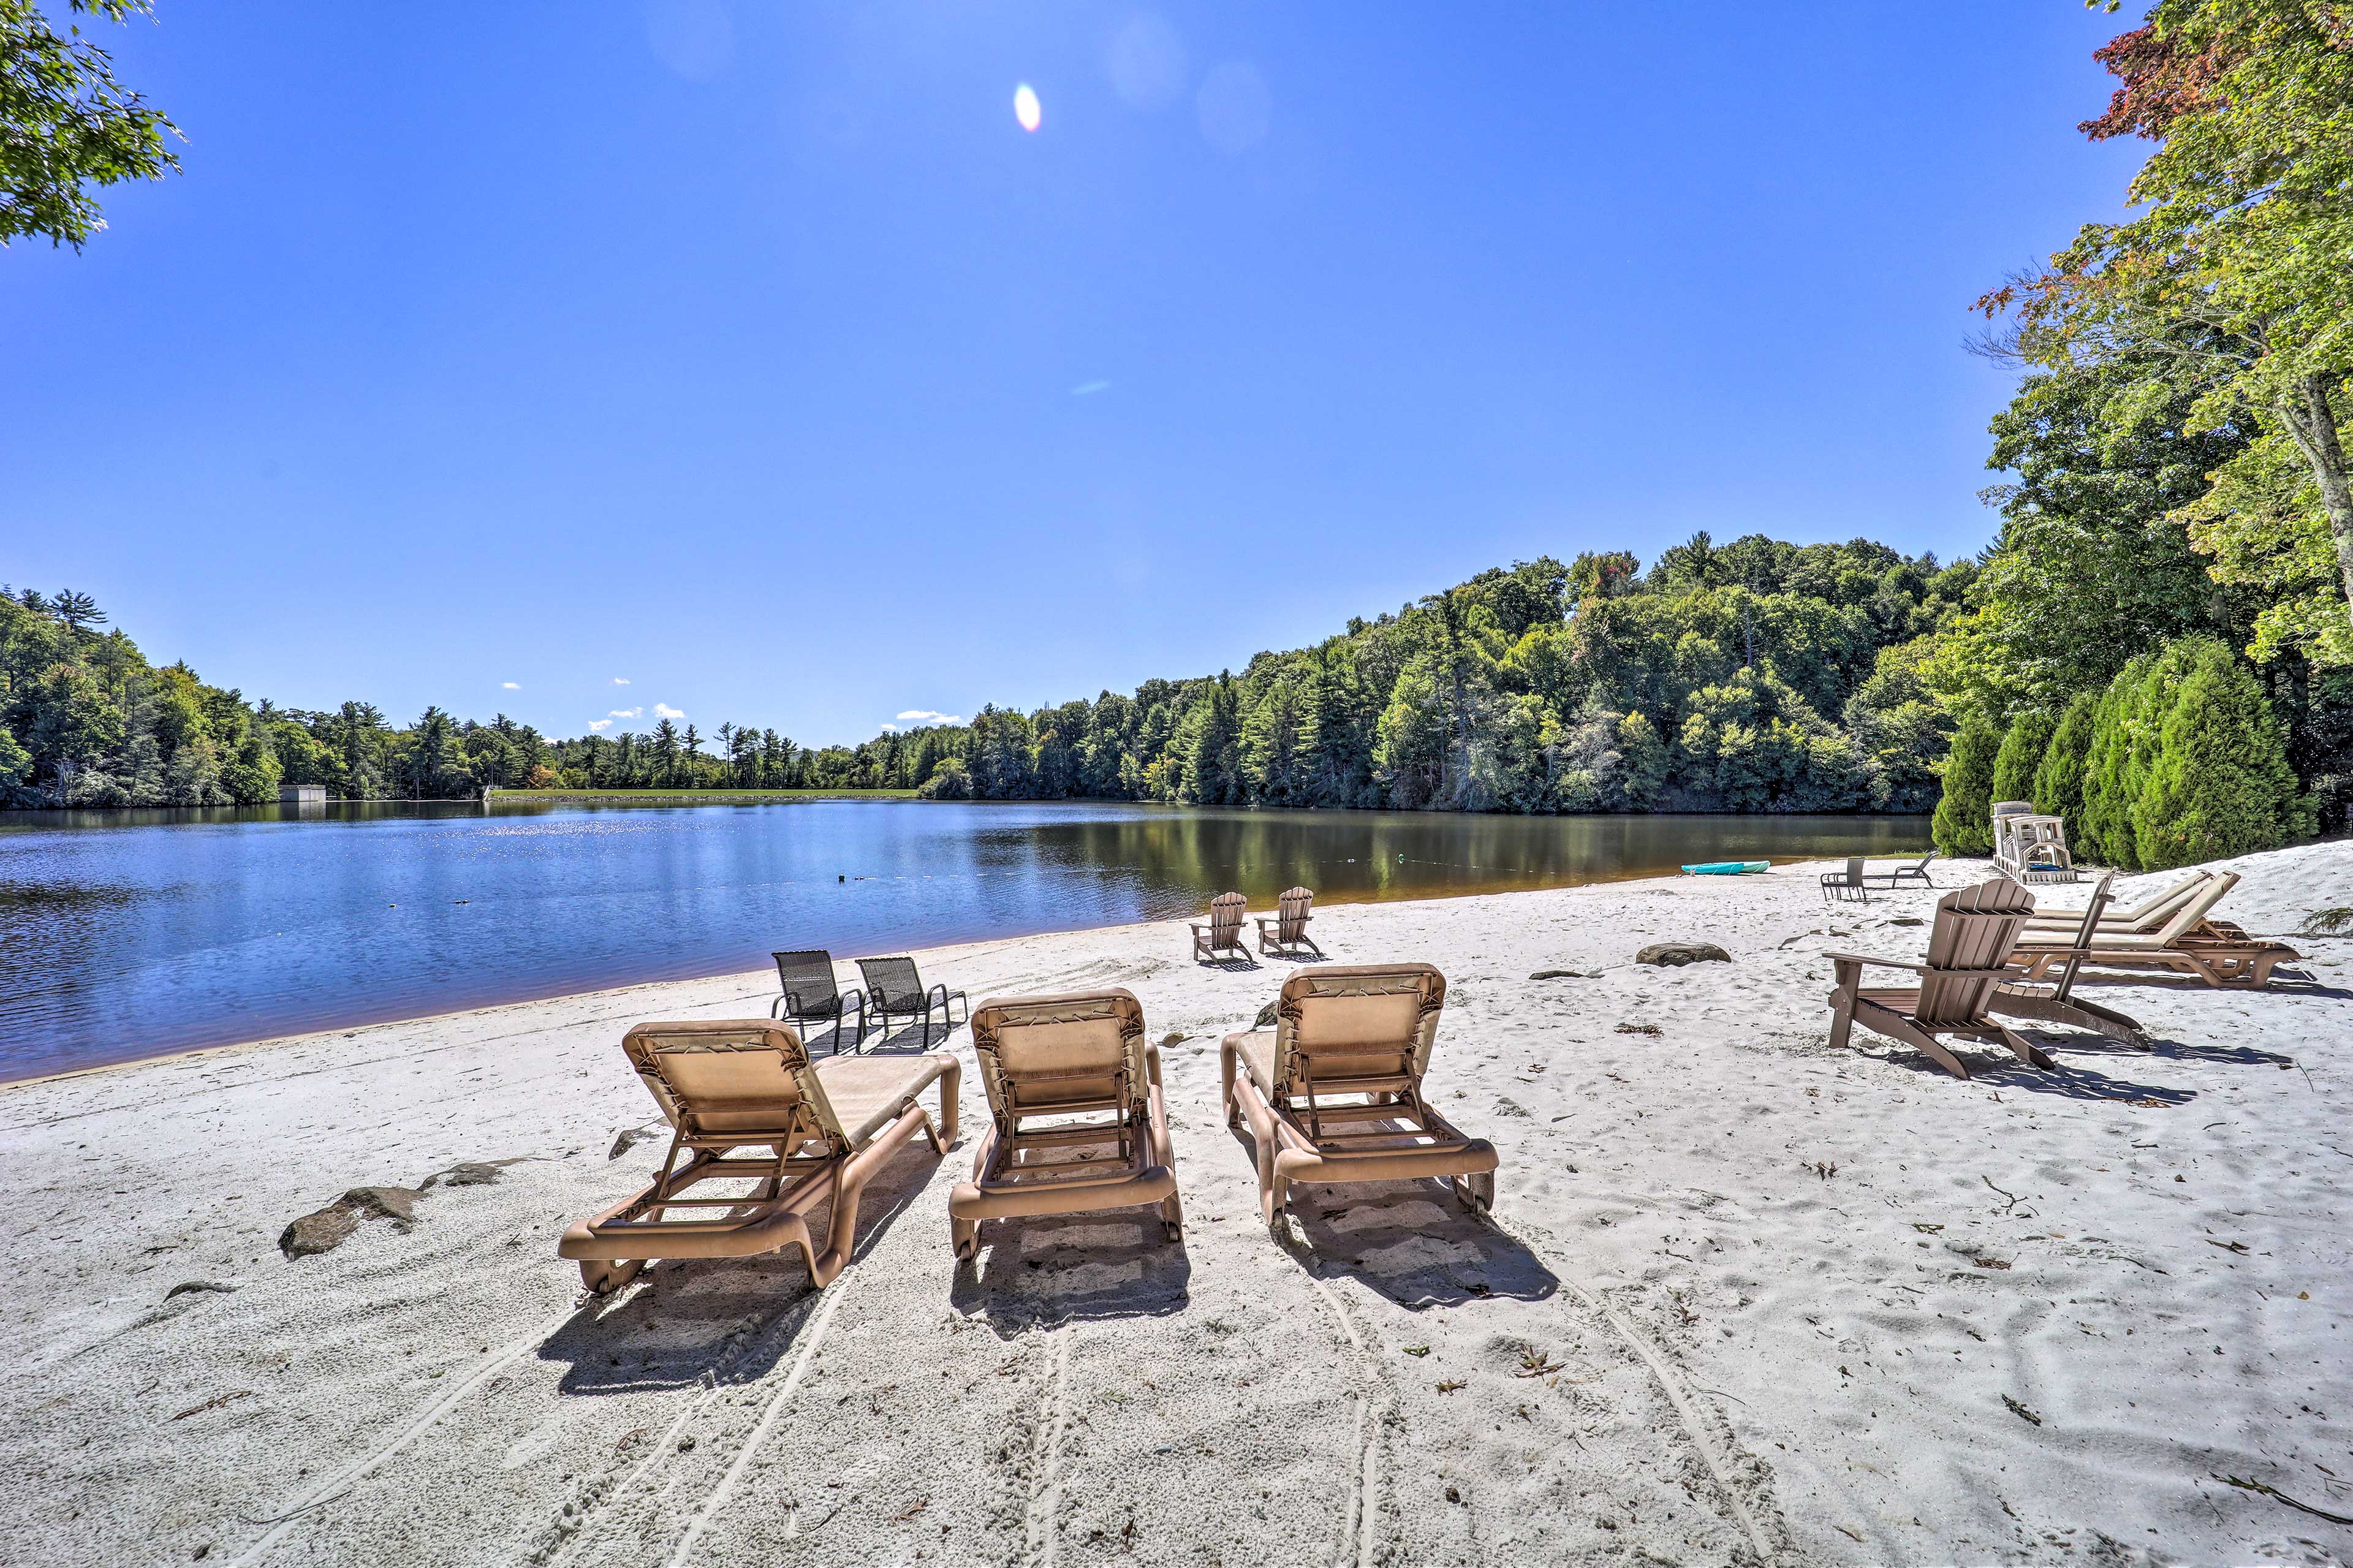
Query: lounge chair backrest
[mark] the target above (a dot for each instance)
(2151, 912)
(807, 979)
(1291, 915)
(894, 983)
(1356, 1021)
(2200, 905)
(1854, 873)
(1921, 863)
(1976, 929)
(1226, 911)
(1041, 1055)
(734, 1079)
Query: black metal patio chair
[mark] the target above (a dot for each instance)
(813, 997)
(1848, 884)
(893, 990)
(1915, 872)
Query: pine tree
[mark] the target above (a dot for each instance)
(2059, 779)
(2218, 784)
(2105, 832)
(1964, 819)
(2021, 755)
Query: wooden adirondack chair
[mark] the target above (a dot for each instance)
(1224, 932)
(1969, 952)
(1287, 929)
(2058, 1004)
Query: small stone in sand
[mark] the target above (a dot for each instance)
(1678, 953)
(1562, 974)
(186, 1286)
(629, 1139)
(323, 1230)
(1265, 1018)
(467, 1174)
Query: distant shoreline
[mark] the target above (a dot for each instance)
(712, 796)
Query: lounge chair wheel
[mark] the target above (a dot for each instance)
(966, 1233)
(603, 1275)
(1476, 1192)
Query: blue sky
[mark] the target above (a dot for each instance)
(755, 355)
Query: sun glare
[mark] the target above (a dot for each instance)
(1025, 107)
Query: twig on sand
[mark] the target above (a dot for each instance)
(2274, 1492)
(2021, 1411)
(2014, 1201)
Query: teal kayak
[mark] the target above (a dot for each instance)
(1727, 867)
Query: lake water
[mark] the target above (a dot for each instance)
(127, 934)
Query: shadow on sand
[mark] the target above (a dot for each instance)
(720, 1319)
(1411, 1242)
(1046, 1270)
(1999, 1069)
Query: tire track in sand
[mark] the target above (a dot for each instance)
(1039, 1517)
(341, 1481)
(1686, 1413)
(716, 1499)
(1360, 1519)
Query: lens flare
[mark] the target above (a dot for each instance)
(1025, 107)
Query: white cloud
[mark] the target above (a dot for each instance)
(600, 725)
(1089, 388)
(920, 716)
(510, 686)
(620, 680)
(627, 712)
(664, 711)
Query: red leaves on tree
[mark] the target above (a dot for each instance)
(2162, 83)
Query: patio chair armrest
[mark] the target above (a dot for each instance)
(1883, 963)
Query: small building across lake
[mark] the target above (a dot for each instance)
(301, 794)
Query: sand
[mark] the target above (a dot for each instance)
(1743, 1298)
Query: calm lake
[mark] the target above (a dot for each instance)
(127, 934)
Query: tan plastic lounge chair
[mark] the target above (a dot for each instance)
(1969, 948)
(1078, 1064)
(1333, 1092)
(829, 1126)
(1224, 932)
(2058, 1004)
(2150, 914)
(1847, 884)
(1287, 930)
(2216, 952)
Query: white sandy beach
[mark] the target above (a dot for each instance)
(1743, 1298)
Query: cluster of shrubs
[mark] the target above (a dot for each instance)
(2178, 760)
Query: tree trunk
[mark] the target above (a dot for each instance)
(2313, 425)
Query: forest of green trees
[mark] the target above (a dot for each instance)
(2156, 642)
